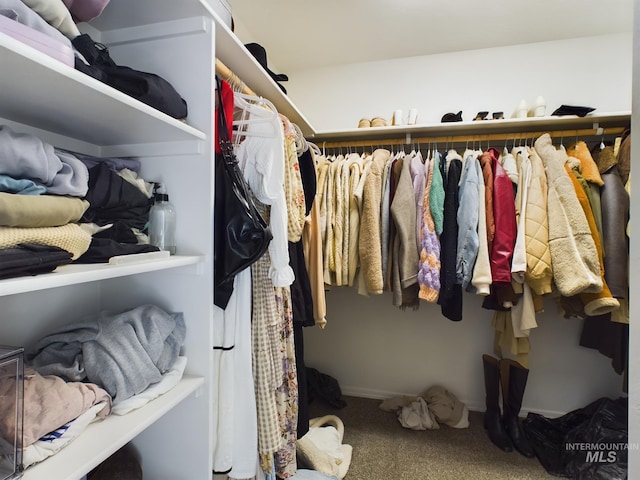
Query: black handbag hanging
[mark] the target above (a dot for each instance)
(241, 236)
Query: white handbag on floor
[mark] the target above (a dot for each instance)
(321, 449)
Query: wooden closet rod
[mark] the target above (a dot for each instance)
(225, 73)
(568, 135)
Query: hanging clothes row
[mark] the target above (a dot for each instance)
(260, 405)
(512, 226)
(475, 140)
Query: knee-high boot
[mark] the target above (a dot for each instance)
(514, 381)
(492, 418)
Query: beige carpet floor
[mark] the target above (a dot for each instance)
(384, 450)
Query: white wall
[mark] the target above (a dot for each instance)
(378, 351)
(591, 71)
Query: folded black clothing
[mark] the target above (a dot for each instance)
(31, 259)
(119, 232)
(147, 87)
(112, 199)
(572, 110)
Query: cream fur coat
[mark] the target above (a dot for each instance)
(576, 268)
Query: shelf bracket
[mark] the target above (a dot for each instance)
(408, 138)
(599, 130)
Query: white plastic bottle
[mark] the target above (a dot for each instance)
(162, 221)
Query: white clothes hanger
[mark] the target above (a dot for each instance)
(250, 101)
(301, 143)
(259, 116)
(314, 147)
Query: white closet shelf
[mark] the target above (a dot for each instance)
(102, 438)
(147, 12)
(484, 127)
(57, 98)
(239, 60)
(229, 49)
(81, 273)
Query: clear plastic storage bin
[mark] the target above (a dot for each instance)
(11, 411)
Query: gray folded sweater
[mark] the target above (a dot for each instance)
(123, 353)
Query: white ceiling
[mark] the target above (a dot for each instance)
(302, 34)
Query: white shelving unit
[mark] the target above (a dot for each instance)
(41, 96)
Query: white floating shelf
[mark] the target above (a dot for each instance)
(104, 437)
(234, 55)
(77, 106)
(507, 125)
(73, 274)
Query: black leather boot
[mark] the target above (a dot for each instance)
(514, 381)
(492, 418)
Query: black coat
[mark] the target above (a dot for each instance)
(450, 299)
